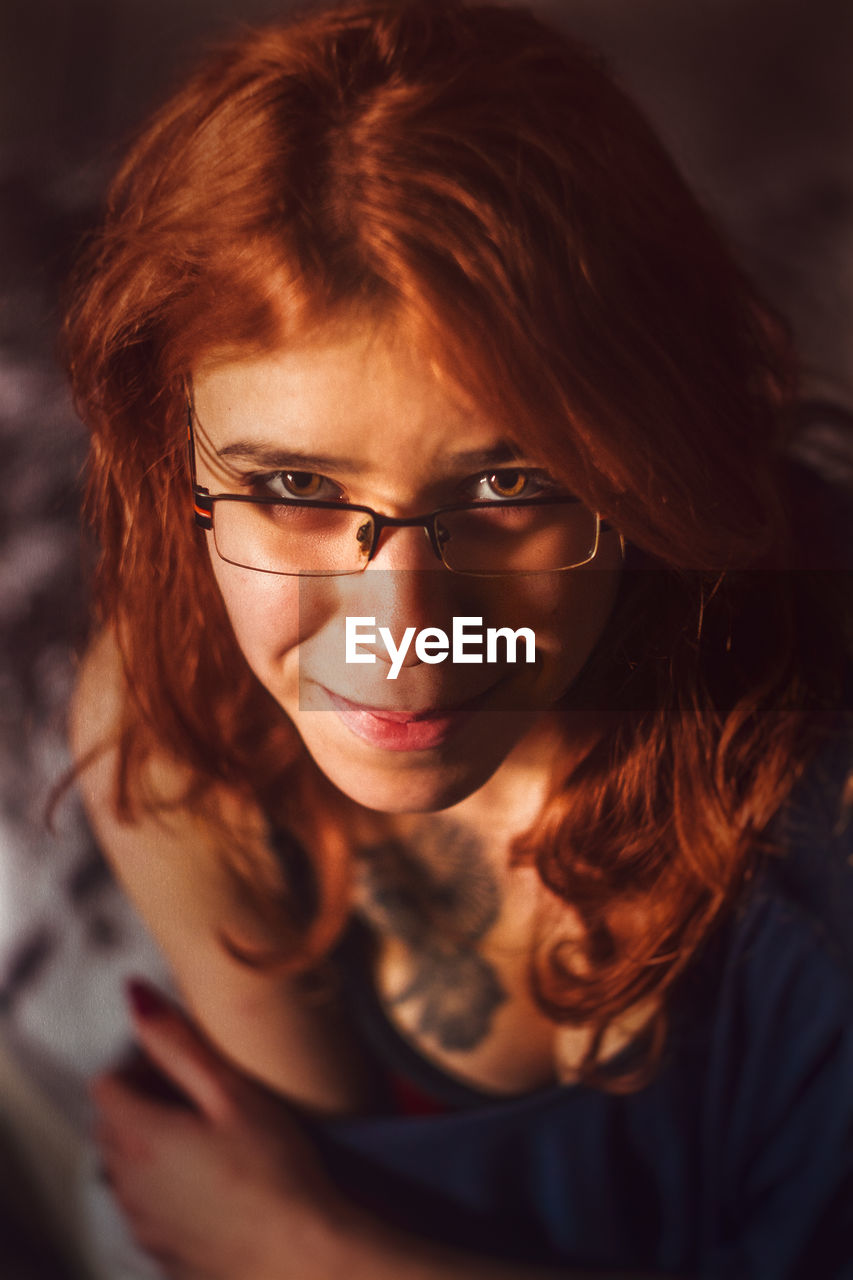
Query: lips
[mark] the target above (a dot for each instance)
(399, 730)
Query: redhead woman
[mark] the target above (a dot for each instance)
(466, 709)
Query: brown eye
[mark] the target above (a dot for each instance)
(302, 484)
(508, 484)
(297, 486)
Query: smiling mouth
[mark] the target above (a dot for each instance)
(401, 730)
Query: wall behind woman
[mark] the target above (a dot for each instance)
(755, 99)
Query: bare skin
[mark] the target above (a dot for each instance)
(437, 896)
(170, 866)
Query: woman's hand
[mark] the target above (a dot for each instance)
(219, 1181)
(224, 1187)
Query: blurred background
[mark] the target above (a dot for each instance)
(755, 100)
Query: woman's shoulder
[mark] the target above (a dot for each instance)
(763, 1022)
(773, 1064)
(788, 944)
(163, 849)
(97, 718)
(96, 703)
(810, 877)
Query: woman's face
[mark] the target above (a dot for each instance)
(361, 416)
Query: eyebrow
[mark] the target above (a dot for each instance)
(277, 458)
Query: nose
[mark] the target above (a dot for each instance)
(404, 547)
(404, 585)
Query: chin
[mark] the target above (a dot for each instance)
(418, 782)
(413, 790)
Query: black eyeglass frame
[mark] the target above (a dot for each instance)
(203, 502)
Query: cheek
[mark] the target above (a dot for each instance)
(581, 609)
(264, 612)
(571, 621)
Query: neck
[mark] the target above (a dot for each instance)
(510, 802)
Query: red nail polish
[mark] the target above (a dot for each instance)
(144, 999)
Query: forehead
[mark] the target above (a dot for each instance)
(365, 391)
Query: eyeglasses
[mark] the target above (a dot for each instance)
(315, 538)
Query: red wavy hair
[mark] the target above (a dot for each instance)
(470, 171)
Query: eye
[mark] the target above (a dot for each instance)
(513, 482)
(297, 484)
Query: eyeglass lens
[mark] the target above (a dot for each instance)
(493, 538)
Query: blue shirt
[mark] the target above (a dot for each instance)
(736, 1161)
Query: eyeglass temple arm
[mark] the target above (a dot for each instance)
(202, 504)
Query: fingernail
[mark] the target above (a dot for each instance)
(145, 1001)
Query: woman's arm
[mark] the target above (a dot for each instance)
(367, 1250)
(230, 1187)
(170, 868)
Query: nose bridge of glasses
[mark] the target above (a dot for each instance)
(396, 540)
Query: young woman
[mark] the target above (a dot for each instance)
(401, 322)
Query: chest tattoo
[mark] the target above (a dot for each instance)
(437, 895)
